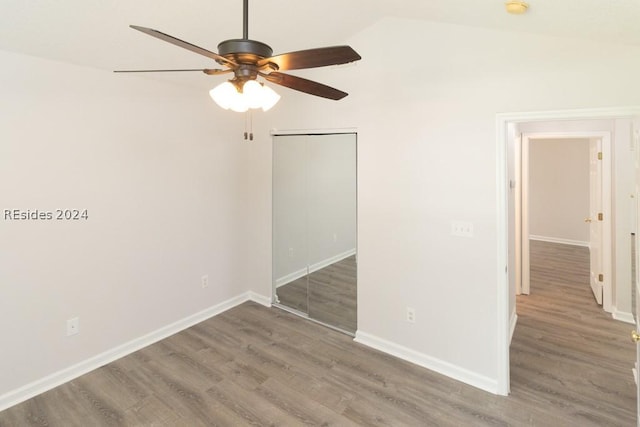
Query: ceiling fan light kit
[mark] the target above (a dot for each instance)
(249, 59)
(251, 95)
(516, 7)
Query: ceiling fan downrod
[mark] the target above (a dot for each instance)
(245, 19)
(244, 50)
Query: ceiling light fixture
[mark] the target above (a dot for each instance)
(238, 96)
(516, 7)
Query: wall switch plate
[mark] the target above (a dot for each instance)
(204, 280)
(462, 228)
(290, 252)
(73, 326)
(411, 315)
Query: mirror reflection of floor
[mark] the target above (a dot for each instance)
(329, 296)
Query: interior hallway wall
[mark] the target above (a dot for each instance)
(559, 190)
(159, 169)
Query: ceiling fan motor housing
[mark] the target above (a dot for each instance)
(243, 50)
(246, 53)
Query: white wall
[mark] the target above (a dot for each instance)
(559, 189)
(427, 155)
(159, 220)
(160, 170)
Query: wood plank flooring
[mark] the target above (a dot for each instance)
(570, 366)
(330, 295)
(567, 353)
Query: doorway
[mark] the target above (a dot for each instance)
(509, 127)
(565, 198)
(314, 227)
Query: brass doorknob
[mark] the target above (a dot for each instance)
(635, 337)
(587, 220)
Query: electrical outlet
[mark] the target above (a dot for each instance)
(290, 252)
(204, 280)
(462, 228)
(411, 315)
(335, 237)
(73, 326)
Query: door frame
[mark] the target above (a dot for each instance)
(503, 120)
(523, 262)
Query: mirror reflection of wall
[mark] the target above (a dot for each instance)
(314, 226)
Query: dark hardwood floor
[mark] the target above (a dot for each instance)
(570, 366)
(329, 295)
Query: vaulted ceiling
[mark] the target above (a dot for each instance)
(95, 33)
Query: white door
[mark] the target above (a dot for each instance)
(525, 265)
(595, 216)
(514, 206)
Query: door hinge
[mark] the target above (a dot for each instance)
(599, 155)
(600, 217)
(601, 277)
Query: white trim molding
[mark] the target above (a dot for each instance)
(623, 316)
(65, 375)
(279, 132)
(445, 368)
(558, 240)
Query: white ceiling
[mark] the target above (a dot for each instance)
(95, 33)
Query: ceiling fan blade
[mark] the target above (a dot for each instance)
(209, 71)
(304, 85)
(312, 58)
(186, 45)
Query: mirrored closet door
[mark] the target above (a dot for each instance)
(314, 227)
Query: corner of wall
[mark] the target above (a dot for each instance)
(42, 385)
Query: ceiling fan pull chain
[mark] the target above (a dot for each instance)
(246, 133)
(248, 125)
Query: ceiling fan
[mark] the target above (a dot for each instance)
(247, 59)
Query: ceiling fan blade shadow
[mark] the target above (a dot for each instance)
(183, 44)
(304, 85)
(312, 58)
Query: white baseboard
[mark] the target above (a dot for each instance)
(437, 365)
(65, 375)
(512, 325)
(623, 316)
(291, 277)
(558, 240)
(260, 299)
(313, 267)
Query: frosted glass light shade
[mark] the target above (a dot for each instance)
(269, 98)
(239, 103)
(224, 94)
(253, 95)
(252, 92)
